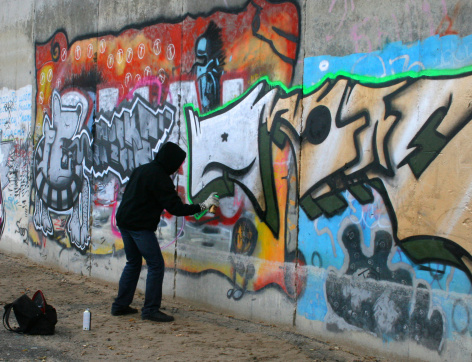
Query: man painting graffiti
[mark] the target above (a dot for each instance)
(150, 190)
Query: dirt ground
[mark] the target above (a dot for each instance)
(197, 334)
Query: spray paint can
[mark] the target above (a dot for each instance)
(87, 320)
(212, 209)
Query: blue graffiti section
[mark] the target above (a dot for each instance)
(355, 274)
(319, 244)
(448, 52)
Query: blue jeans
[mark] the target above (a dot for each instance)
(139, 244)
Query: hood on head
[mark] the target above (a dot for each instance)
(170, 157)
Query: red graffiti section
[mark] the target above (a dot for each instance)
(160, 54)
(446, 25)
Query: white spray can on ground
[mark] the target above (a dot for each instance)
(87, 320)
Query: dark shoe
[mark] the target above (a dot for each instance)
(124, 311)
(158, 317)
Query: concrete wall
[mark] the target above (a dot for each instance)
(336, 133)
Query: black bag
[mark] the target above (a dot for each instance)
(34, 316)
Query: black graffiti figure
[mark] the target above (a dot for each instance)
(208, 66)
(371, 295)
(21, 230)
(243, 242)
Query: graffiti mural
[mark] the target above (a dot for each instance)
(346, 197)
(368, 119)
(64, 161)
(105, 104)
(430, 249)
(131, 85)
(4, 150)
(15, 159)
(387, 144)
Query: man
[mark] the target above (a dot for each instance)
(150, 190)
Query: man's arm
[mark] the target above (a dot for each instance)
(171, 201)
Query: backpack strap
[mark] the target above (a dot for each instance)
(6, 317)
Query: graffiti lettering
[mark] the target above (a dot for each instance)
(369, 119)
(130, 137)
(64, 162)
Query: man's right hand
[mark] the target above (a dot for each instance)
(212, 200)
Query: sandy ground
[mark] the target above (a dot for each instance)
(198, 333)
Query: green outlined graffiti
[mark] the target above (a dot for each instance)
(347, 133)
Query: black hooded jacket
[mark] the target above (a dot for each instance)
(150, 190)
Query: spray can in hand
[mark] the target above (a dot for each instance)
(212, 209)
(87, 323)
